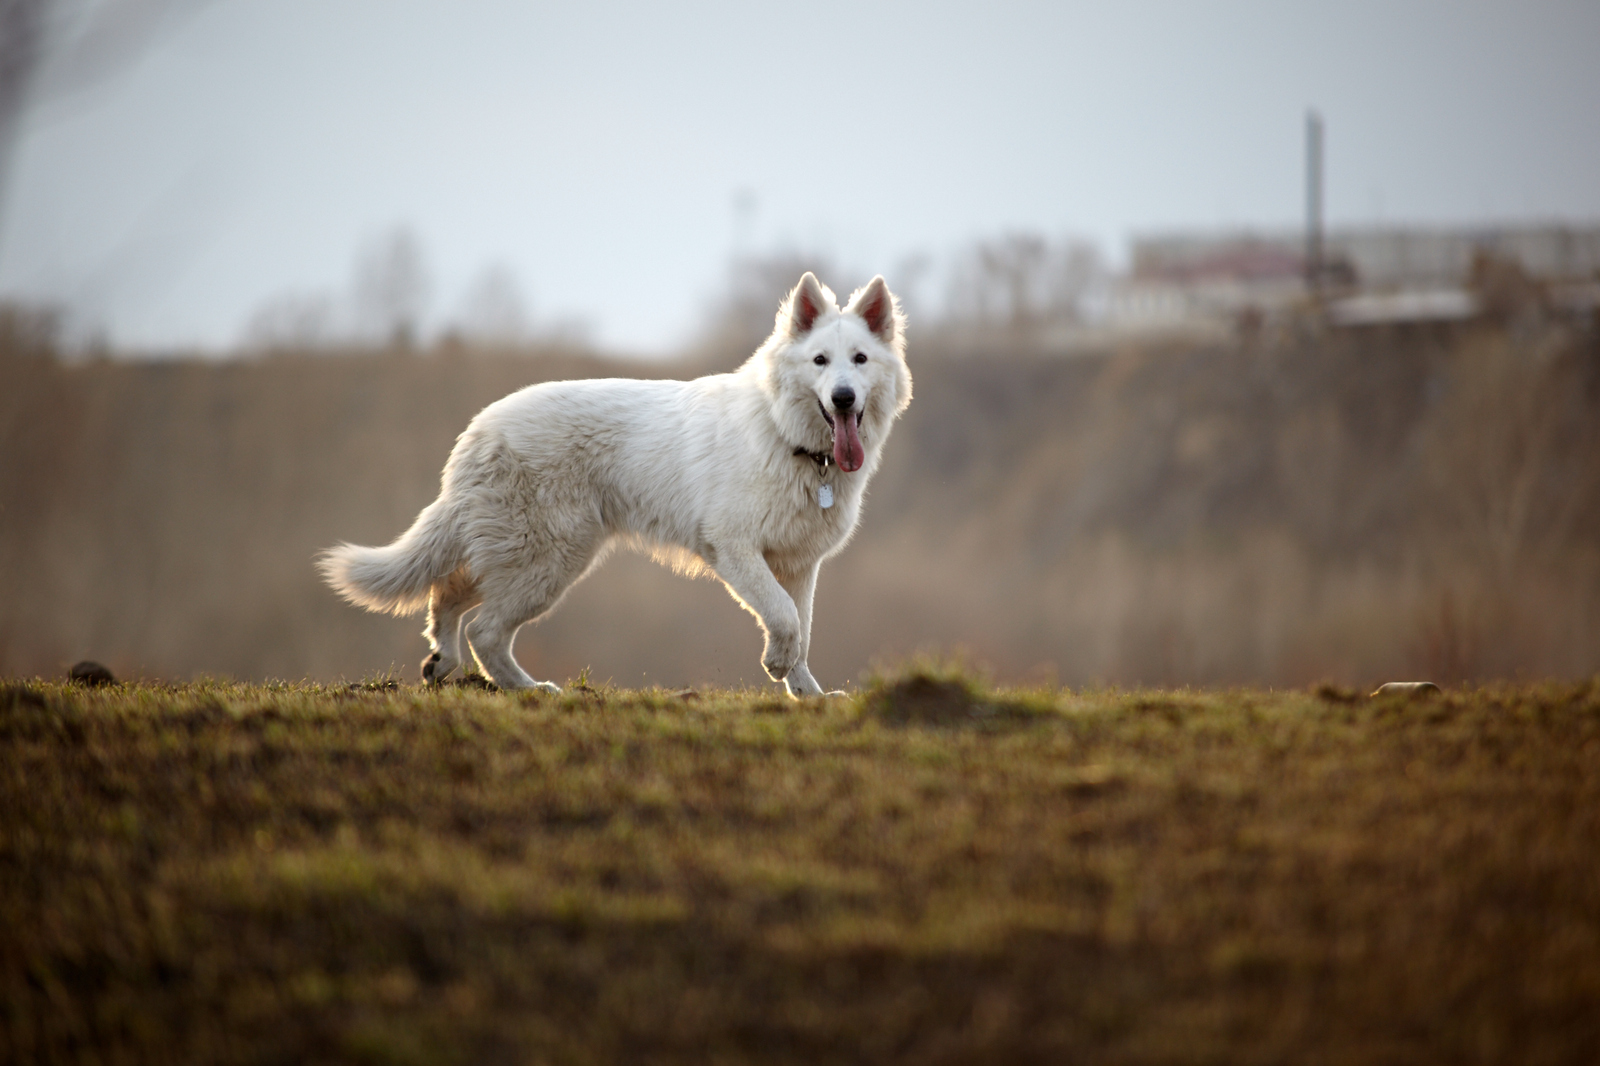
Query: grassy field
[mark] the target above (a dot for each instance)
(933, 871)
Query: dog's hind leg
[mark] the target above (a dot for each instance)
(514, 595)
(448, 601)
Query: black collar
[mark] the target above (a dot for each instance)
(822, 459)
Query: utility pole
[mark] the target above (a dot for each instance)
(1314, 255)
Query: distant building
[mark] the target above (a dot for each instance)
(1378, 256)
(1202, 284)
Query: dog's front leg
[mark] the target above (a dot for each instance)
(799, 680)
(750, 580)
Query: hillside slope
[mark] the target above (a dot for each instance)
(935, 872)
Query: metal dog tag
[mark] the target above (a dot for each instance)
(825, 496)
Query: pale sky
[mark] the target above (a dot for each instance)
(597, 149)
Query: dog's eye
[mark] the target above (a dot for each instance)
(821, 360)
(859, 358)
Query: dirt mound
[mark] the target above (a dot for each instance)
(92, 674)
(930, 700)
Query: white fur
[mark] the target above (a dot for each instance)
(700, 474)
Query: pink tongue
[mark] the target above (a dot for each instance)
(847, 450)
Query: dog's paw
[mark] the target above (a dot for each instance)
(800, 683)
(436, 669)
(839, 693)
(782, 655)
(547, 686)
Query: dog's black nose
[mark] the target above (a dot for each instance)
(844, 397)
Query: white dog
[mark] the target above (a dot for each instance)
(755, 476)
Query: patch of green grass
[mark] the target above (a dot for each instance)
(935, 870)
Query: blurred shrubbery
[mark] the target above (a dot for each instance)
(1351, 505)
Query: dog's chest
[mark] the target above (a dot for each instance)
(818, 516)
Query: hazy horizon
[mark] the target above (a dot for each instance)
(606, 161)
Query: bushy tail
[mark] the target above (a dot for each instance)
(396, 579)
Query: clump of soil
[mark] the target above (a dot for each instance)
(92, 674)
(928, 699)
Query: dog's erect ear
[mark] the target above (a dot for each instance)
(805, 305)
(875, 304)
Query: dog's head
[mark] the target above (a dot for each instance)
(838, 378)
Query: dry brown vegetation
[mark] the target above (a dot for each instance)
(1352, 507)
(934, 872)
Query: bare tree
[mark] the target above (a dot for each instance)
(391, 288)
(294, 321)
(22, 41)
(741, 318)
(494, 311)
(55, 48)
(1022, 282)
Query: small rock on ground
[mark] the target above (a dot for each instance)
(1408, 688)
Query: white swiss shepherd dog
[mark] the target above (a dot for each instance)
(754, 476)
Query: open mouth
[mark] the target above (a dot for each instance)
(847, 450)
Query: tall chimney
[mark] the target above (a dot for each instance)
(1313, 263)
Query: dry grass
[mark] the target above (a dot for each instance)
(933, 871)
